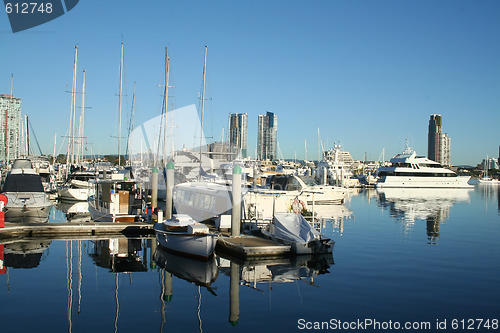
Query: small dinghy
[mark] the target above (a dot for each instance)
(181, 234)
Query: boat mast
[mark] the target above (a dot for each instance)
(54, 155)
(71, 118)
(120, 108)
(81, 123)
(165, 100)
(203, 102)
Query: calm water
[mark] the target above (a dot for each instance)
(423, 257)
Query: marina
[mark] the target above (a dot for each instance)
(388, 263)
(250, 167)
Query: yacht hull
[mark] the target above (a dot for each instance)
(424, 182)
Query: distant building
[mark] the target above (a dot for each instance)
(267, 136)
(438, 143)
(490, 163)
(10, 119)
(238, 126)
(218, 150)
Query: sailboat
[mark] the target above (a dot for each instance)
(115, 199)
(487, 180)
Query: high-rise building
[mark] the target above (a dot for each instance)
(267, 138)
(438, 143)
(238, 124)
(10, 118)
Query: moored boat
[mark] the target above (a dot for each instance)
(183, 235)
(411, 171)
(27, 200)
(115, 200)
(293, 229)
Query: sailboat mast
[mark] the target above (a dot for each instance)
(27, 136)
(82, 121)
(165, 100)
(71, 117)
(74, 109)
(54, 155)
(203, 102)
(120, 108)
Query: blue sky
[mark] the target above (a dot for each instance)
(366, 73)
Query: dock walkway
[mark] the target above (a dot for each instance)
(251, 247)
(88, 228)
(243, 247)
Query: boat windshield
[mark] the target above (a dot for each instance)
(309, 180)
(23, 183)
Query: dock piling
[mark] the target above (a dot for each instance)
(236, 211)
(154, 188)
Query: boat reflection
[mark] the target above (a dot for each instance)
(22, 253)
(75, 211)
(252, 273)
(281, 270)
(431, 205)
(119, 255)
(200, 272)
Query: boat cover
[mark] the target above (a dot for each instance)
(293, 227)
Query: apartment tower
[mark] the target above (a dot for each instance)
(438, 143)
(267, 138)
(10, 119)
(238, 125)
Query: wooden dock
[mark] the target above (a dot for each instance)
(242, 247)
(87, 228)
(245, 247)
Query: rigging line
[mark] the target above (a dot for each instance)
(36, 139)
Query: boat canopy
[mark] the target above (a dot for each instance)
(294, 227)
(23, 183)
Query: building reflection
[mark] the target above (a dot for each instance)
(430, 205)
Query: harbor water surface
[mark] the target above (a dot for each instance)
(430, 259)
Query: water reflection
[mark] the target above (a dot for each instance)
(119, 255)
(75, 211)
(252, 273)
(430, 205)
(23, 254)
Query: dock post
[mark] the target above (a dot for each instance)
(154, 189)
(169, 188)
(3, 202)
(236, 211)
(234, 294)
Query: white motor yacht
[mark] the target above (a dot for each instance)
(27, 200)
(409, 170)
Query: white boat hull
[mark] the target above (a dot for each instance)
(199, 245)
(74, 194)
(424, 182)
(27, 207)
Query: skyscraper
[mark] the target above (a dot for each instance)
(238, 124)
(267, 136)
(438, 143)
(10, 117)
